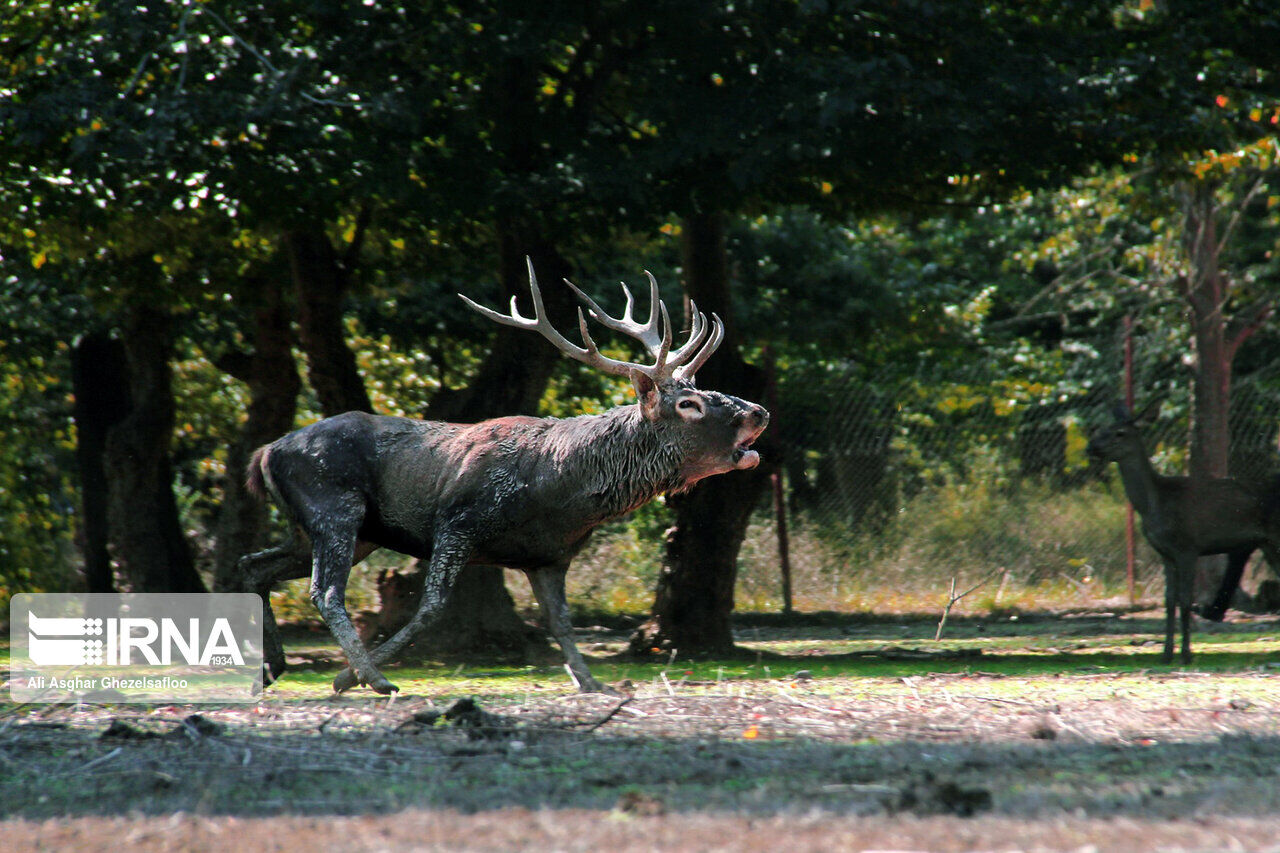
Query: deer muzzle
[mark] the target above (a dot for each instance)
(750, 424)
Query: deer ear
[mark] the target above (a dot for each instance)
(646, 394)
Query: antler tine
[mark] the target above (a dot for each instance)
(660, 357)
(589, 355)
(647, 334)
(697, 333)
(682, 363)
(655, 302)
(515, 318)
(687, 371)
(655, 334)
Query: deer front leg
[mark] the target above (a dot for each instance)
(548, 589)
(1186, 596)
(1170, 607)
(448, 557)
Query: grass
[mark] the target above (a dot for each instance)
(835, 646)
(873, 651)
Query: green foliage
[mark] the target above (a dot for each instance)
(38, 497)
(887, 239)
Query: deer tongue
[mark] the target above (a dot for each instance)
(744, 457)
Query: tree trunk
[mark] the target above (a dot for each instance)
(272, 377)
(100, 381)
(1206, 289)
(320, 280)
(694, 598)
(149, 546)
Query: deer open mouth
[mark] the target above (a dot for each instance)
(751, 424)
(744, 457)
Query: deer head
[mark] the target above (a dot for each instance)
(1123, 437)
(721, 428)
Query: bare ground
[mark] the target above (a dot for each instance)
(1082, 759)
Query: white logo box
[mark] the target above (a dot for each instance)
(135, 647)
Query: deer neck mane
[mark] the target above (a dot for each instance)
(619, 459)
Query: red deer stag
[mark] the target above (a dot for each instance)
(519, 492)
(1184, 519)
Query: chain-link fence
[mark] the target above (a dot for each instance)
(898, 482)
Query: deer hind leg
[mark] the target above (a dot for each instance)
(1236, 562)
(259, 573)
(548, 588)
(333, 552)
(448, 557)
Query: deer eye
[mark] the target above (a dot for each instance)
(688, 404)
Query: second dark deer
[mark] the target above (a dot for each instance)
(1186, 518)
(519, 492)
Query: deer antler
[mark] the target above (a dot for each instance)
(654, 334)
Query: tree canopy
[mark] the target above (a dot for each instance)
(893, 185)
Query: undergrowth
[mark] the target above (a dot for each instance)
(1013, 548)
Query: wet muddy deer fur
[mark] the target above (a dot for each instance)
(1185, 518)
(519, 492)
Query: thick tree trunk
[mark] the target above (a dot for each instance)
(1205, 291)
(320, 280)
(272, 377)
(694, 599)
(148, 543)
(100, 380)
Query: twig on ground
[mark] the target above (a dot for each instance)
(101, 759)
(609, 716)
(953, 598)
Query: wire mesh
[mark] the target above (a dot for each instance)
(976, 470)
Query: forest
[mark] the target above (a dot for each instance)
(931, 230)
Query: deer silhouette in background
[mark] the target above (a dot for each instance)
(1186, 518)
(519, 492)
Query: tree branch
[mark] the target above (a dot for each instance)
(1245, 322)
(953, 598)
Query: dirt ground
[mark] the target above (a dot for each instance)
(1088, 758)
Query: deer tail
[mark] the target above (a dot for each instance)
(257, 479)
